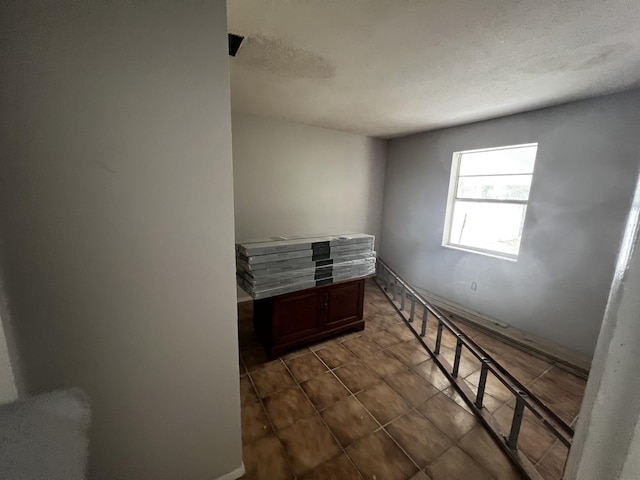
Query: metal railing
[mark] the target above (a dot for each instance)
(395, 287)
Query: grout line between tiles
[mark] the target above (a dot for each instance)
(273, 427)
(547, 451)
(317, 412)
(380, 425)
(383, 427)
(541, 375)
(551, 365)
(472, 458)
(354, 395)
(412, 409)
(400, 311)
(549, 448)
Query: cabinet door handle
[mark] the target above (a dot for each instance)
(323, 307)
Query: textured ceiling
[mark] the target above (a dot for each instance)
(391, 67)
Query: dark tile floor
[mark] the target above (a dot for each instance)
(373, 405)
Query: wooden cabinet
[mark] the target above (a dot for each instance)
(287, 321)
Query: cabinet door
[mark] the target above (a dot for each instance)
(295, 315)
(344, 303)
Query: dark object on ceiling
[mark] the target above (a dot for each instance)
(234, 43)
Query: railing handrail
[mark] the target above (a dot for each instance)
(524, 397)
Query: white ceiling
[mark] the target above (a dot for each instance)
(391, 67)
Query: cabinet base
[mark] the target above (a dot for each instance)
(277, 350)
(288, 321)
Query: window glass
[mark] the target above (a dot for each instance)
(498, 162)
(504, 187)
(488, 196)
(488, 226)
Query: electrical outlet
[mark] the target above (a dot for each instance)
(474, 285)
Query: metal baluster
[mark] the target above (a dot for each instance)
(395, 288)
(516, 423)
(482, 383)
(423, 331)
(403, 297)
(439, 336)
(413, 308)
(456, 361)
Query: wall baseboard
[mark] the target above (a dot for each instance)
(576, 362)
(237, 473)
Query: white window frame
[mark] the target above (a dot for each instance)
(451, 199)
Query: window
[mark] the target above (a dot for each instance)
(488, 195)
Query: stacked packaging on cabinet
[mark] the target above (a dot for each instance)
(285, 264)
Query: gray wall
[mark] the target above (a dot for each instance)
(116, 216)
(583, 183)
(607, 438)
(293, 179)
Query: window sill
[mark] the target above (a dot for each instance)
(480, 252)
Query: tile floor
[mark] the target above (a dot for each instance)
(373, 405)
